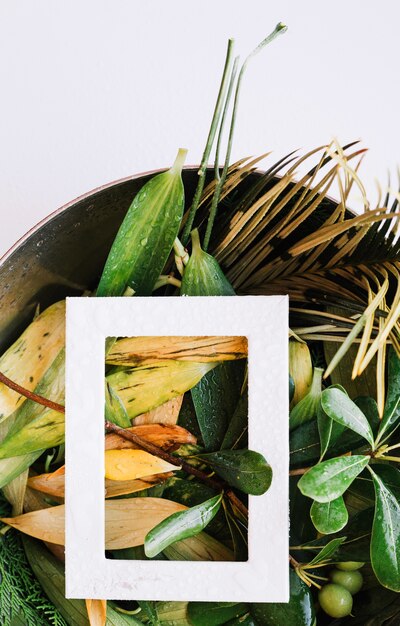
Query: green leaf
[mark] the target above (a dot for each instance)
(173, 613)
(115, 411)
(246, 470)
(215, 398)
(181, 525)
(330, 479)
(306, 410)
(329, 430)
(385, 539)
(236, 434)
(150, 608)
(338, 406)
(203, 275)
(391, 414)
(214, 613)
(328, 551)
(299, 611)
(191, 493)
(146, 236)
(50, 573)
(329, 517)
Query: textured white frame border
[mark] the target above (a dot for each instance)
(264, 321)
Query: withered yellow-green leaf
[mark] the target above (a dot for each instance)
(146, 387)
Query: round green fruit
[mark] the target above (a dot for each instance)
(351, 580)
(335, 600)
(349, 566)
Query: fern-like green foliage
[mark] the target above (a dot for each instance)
(22, 601)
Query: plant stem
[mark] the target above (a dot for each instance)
(279, 29)
(213, 482)
(31, 395)
(210, 140)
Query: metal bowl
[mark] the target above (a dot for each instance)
(65, 253)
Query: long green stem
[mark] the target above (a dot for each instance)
(210, 141)
(279, 29)
(224, 117)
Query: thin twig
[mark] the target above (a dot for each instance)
(31, 395)
(213, 482)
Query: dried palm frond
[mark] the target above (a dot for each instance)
(283, 234)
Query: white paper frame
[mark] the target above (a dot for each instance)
(264, 321)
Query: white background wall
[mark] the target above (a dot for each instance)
(95, 90)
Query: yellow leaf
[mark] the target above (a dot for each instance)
(133, 464)
(97, 612)
(143, 350)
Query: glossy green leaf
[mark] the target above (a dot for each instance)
(338, 406)
(329, 430)
(246, 470)
(330, 479)
(181, 525)
(329, 517)
(391, 414)
(115, 411)
(191, 493)
(385, 539)
(328, 551)
(214, 613)
(215, 398)
(203, 275)
(146, 236)
(237, 433)
(299, 611)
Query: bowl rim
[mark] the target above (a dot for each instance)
(79, 198)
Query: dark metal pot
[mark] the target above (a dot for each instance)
(65, 253)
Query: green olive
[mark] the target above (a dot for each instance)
(352, 580)
(349, 566)
(335, 600)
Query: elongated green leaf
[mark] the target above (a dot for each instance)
(244, 469)
(385, 539)
(391, 414)
(150, 608)
(50, 574)
(115, 411)
(214, 613)
(202, 547)
(145, 387)
(328, 551)
(146, 236)
(173, 613)
(299, 611)
(330, 479)
(181, 525)
(329, 517)
(236, 434)
(338, 406)
(215, 398)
